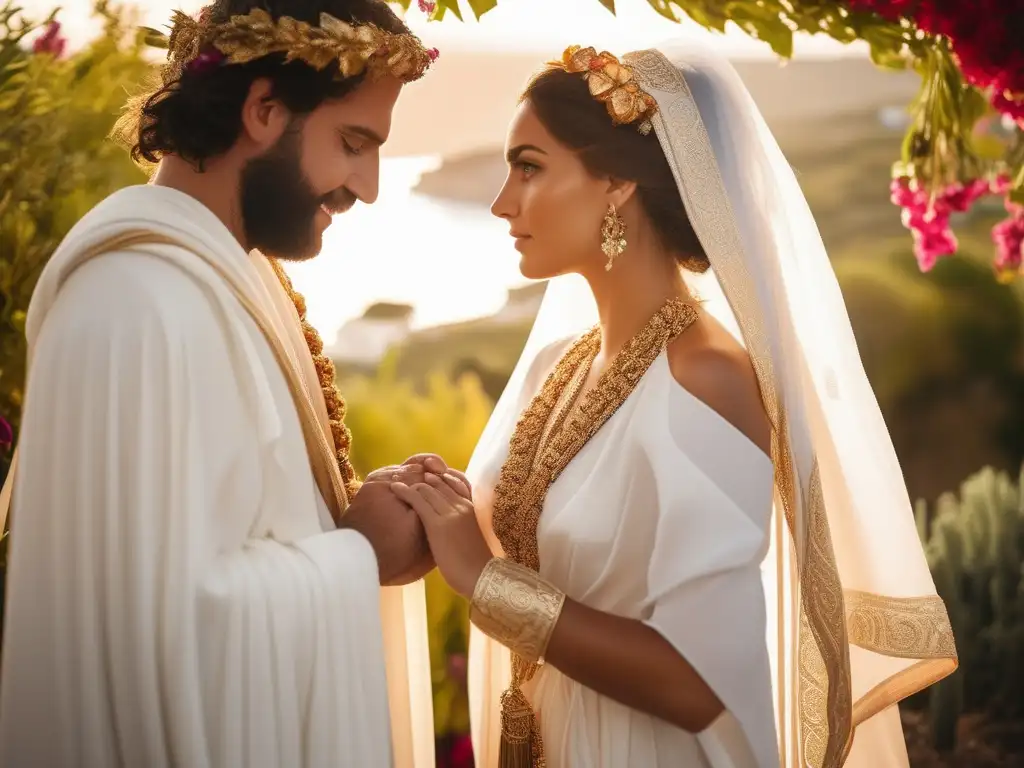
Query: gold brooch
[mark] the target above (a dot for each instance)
(355, 47)
(611, 82)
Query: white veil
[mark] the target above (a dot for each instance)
(855, 624)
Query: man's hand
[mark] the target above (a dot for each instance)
(394, 531)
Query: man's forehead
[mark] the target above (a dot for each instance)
(367, 109)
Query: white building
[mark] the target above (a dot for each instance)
(363, 342)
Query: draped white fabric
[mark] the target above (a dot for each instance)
(853, 620)
(649, 522)
(173, 597)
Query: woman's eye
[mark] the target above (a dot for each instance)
(527, 169)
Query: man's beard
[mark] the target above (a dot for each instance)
(279, 205)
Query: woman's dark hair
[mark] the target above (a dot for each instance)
(198, 115)
(578, 121)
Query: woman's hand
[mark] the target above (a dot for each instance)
(449, 519)
(413, 469)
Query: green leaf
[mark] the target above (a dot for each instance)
(886, 58)
(988, 148)
(886, 46)
(974, 105)
(762, 23)
(709, 18)
(664, 7)
(480, 7)
(450, 5)
(153, 37)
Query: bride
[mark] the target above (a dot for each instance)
(692, 545)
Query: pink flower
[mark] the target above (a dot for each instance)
(206, 61)
(1008, 235)
(1011, 107)
(461, 755)
(427, 6)
(1001, 184)
(930, 246)
(960, 197)
(433, 53)
(6, 434)
(927, 217)
(50, 42)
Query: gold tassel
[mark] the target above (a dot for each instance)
(517, 728)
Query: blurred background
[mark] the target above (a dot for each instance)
(422, 307)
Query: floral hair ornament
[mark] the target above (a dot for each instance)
(200, 45)
(611, 82)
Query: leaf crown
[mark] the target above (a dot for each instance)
(199, 45)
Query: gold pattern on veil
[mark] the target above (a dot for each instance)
(548, 435)
(829, 620)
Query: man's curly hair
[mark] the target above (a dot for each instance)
(198, 115)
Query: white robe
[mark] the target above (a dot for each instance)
(662, 517)
(176, 593)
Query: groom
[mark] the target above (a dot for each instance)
(195, 572)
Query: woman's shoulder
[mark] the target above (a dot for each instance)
(715, 369)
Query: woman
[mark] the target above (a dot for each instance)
(726, 572)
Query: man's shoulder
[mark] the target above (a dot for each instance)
(127, 290)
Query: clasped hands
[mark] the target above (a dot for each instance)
(418, 515)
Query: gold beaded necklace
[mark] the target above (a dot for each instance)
(534, 462)
(325, 373)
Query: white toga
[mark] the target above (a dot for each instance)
(177, 593)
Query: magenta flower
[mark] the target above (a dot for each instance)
(1008, 235)
(50, 41)
(928, 217)
(206, 61)
(6, 434)
(461, 755)
(427, 6)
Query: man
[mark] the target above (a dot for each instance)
(195, 574)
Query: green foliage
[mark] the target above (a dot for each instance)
(390, 421)
(975, 547)
(943, 352)
(55, 160)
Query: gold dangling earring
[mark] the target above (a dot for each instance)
(613, 237)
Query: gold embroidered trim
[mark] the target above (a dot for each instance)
(903, 627)
(824, 647)
(534, 462)
(335, 403)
